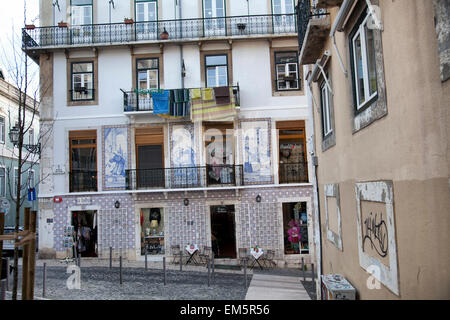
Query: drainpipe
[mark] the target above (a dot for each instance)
(317, 222)
(180, 16)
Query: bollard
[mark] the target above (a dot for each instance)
(146, 259)
(8, 270)
(214, 276)
(44, 278)
(303, 269)
(181, 260)
(120, 270)
(164, 267)
(312, 269)
(110, 257)
(3, 290)
(245, 272)
(209, 273)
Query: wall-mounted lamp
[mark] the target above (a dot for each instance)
(258, 198)
(117, 204)
(186, 202)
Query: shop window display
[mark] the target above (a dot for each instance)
(152, 231)
(295, 228)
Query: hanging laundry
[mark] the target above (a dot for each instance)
(179, 103)
(161, 102)
(207, 108)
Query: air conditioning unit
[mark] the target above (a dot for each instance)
(336, 287)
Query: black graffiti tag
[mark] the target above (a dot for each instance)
(376, 233)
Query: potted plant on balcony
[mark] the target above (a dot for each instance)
(164, 35)
(128, 21)
(30, 26)
(62, 24)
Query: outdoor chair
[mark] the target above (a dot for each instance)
(203, 257)
(243, 255)
(175, 250)
(267, 259)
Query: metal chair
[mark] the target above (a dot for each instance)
(267, 259)
(243, 256)
(207, 253)
(175, 250)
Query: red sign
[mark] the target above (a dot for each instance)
(57, 199)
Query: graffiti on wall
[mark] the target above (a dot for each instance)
(375, 232)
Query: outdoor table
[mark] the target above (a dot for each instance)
(256, 253)
(192, 249)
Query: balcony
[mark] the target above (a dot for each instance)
(313, 30)
(153, 31)
(83, 181)
(140, 101)
(293, 173)
(185, 177)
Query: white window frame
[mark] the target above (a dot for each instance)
(280, 75)
(365, 64)
(282, 5)
(4, 182)
(31, 136)
(147, 26)
(325, 104)
(216, 71)
(2, 130)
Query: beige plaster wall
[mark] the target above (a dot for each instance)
(409, 146)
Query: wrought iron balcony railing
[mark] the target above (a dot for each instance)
(306, 12)
(83, 181)
(236, 26)
(293, 172)
(185, 177)
(141, 100)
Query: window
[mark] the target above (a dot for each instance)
(31, 136)
(14, 184)
(286, 71)
(364, 73)
(213, 12)
(30, 178)
(83, 161)
(82, 81)
(216, 68)
(295, 227)
(284, 18)
(147, 71)
(292, 167)
(2, 182)
(325, 103)
(2, 129)
(81, 20)
(146, 19)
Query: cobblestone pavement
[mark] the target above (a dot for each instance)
(100, 283)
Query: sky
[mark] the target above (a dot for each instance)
(11, 24)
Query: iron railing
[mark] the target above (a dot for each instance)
(82, 94)
(83, 181)
(293, 172)
(306, 12)
(135, 100)
(152, 30)
(184, 177)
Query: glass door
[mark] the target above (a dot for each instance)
(283, 21)
(214, 18)
(82, 24)
(146, 20)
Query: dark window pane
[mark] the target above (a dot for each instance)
(82, 67)
(286, 57)
(147, 64)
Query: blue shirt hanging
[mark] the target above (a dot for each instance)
(161, 102)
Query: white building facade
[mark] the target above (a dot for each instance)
(231, 174)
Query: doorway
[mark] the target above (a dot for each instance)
(85, 227)
(152, 230)
(223, 234)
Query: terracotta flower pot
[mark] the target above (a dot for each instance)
(128, 21)
(62, 24)
(30, 26)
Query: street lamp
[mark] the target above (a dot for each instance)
(14, 134)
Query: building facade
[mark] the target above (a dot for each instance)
(224, 166)
(379, 95)
(9, 109)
